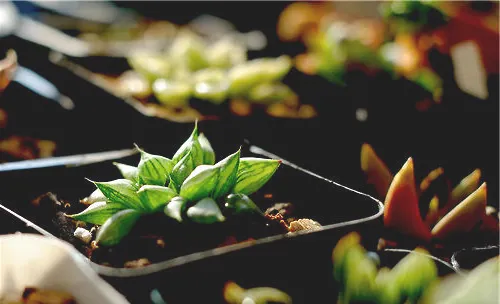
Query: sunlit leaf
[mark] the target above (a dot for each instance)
(191, 145)
(128, 172)
(182, 170)
(98, 212)
(200, 183)
(120, 191)
(253, 173)
(175, 208)
(208, 151)
(154, 197)
(154, 169)
(205, 211)
(117, 227)
(228, 167)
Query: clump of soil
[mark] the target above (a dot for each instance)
(156, 237)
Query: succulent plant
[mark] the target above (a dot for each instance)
(453, 212)
(190, 186)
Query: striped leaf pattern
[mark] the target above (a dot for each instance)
(98, 213)
(153, 197)
(182, 170)
(191, 176)
(228, 168)
(154, 169)
(208, 151)
(253, 173)
(117, 227)
(121, 191)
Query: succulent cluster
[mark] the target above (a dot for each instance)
(336, 44)
(448, 212)
(361, 280)
(190, 186)
(213, 72)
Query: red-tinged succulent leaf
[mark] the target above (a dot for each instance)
(401, 205)
(466, 186)
(435, 183)
(490, 224)
(433, 212)
(464, 216)
(376, 171)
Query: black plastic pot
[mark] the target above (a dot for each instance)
(301, 267)
(338, 208)
(468, 258)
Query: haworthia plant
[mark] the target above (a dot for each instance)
(190, 186)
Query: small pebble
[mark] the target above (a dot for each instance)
(361, 114)
(81, 224)
(137, 263)
(160, 243)
(83, 234)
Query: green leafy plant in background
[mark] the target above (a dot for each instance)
(334, 53)
(189, 187)
(361, 279)
(215, 72)
(413, 16)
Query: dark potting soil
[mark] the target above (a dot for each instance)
(156, 237)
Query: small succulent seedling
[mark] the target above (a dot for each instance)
(189, 187)
(451, 212)
(362, 280)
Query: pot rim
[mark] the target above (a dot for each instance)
(196, 256)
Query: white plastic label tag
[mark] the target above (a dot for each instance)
(470, 74)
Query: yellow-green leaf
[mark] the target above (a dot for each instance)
(120, 191)
(228, 168)
(253, 173)
(200, 183)
(191, 145)
(205, 211)
(117, 227)
(154, 197)
(175, 208)
(182, 170)
(127, 171)
(154, 169)
(208, 151)
(98, 212)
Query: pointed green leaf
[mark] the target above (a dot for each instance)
(205, 211)
(240, 204)
(117, 227)
(121, 191)
(154, 169)
(96, 196)
(227, 175)
(127, 171)
(190, 145)
(244, 76)
(414, 273)
(154, 197)
(200, 183)
(208, 152)
(267, 93)
(182, 170)
(98, 213)
(172, 185)
(253, 173)
(359, 279)
(175, 208)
